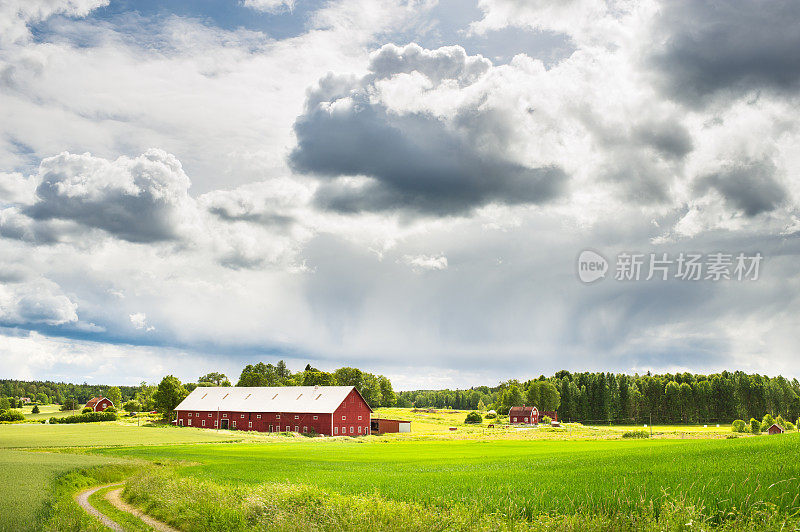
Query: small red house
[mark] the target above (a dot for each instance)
(526, 415)
(98, 404)
(775, 429)
(326, 410)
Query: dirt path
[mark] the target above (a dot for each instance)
(83, 501)
(114, 497)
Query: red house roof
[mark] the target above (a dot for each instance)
(93, 401)
(523, 411)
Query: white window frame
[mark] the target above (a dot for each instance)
(316, 418)
(335, 430)
(344, 418)
(242, 416)
(258, 416)
(305, 429)
(204, 422)
(250, 424)
(277, 416)
(297, 417)
(224, 415)
(351, 429)
(190, 422)
(190, 414)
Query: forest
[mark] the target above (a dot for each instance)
(609, 397)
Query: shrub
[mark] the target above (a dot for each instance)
(755, 426)
(767, 422)
(491, 415)
(86, 410)
(35, 409)
(11, 415)
(790, 426)
(739, 426)
(473, 417)
(110, 409)
(132, 406)
(636, 434)
(546, 420)
(89, 417)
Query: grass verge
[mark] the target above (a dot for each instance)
(129, 522)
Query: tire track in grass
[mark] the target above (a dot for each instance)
(114, 497)
(83, 500)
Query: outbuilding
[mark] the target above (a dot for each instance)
(526, 415)
(326, 410)
(385, 426)
(775, 429)
(98, 404)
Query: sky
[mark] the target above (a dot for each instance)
(403, 186)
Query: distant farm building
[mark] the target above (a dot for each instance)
(326, 410)
(385, 426)
(528, 415)
(25, 400)
(98, 404)
(775, 429)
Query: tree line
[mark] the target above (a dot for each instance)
(609, 397)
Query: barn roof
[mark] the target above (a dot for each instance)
(776, 426)
(94, 400)
(522, 410)
(315, 399)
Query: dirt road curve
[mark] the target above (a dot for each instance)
(114, 498)
(83, 501)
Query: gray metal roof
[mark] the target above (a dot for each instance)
(316, 399)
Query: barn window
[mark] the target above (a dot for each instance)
(351, 429)
(297, 417)
(515, 419)
(335, 429)
(204, 422)
(525, 420)
(216, 423)
(296, 428)
(190, 414)
(359, 429)
(242, 416)
(359, 418)
(190, 422)
(278, 416)
(305, 429)
(224, 415)
(315, 418)
(288, 428)
(344, 418)
(234, 423)
(209, 414)
(250, 424)
(180, 422)
(258, 416)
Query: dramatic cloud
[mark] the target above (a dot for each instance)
(750, 187)
(139, 200)
(415, 159)
(728, 48)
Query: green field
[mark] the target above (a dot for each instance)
(576, 477)
(27, 476)
(28, 435)
(46, 412)
(518, 479)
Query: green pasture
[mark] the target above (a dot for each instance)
(46, 412)
(518, 479)
(25, 482)
(36, 435)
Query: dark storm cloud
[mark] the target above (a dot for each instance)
(733, 46)
(417, 162)
(748, 186)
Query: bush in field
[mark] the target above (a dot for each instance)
(546, 420)
(636, 434)
(739, 426)
(35, 409)
(491, 415)
(111, 409)
(11, 415)
(86, 410)
(89, 417)
(5, 404)
(767, 422)
(473, 417)
(132, 406)
(755, 426)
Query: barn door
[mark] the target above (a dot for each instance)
(224, 424)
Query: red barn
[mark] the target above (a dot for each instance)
(775, 429)
(527, 415)
(385, 426)
(98, 404)
(327, 410)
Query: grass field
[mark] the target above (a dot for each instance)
(27, 435)
(26, 479)
(46, 412)
(517, 479)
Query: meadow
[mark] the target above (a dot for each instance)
(574, 478)
(517, 480)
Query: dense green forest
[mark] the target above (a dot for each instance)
(596, 397)
(376, 389)
(601, 397)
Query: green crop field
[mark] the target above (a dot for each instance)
(30, 435)
(518, 479)
(27, 476)
(26, 479)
